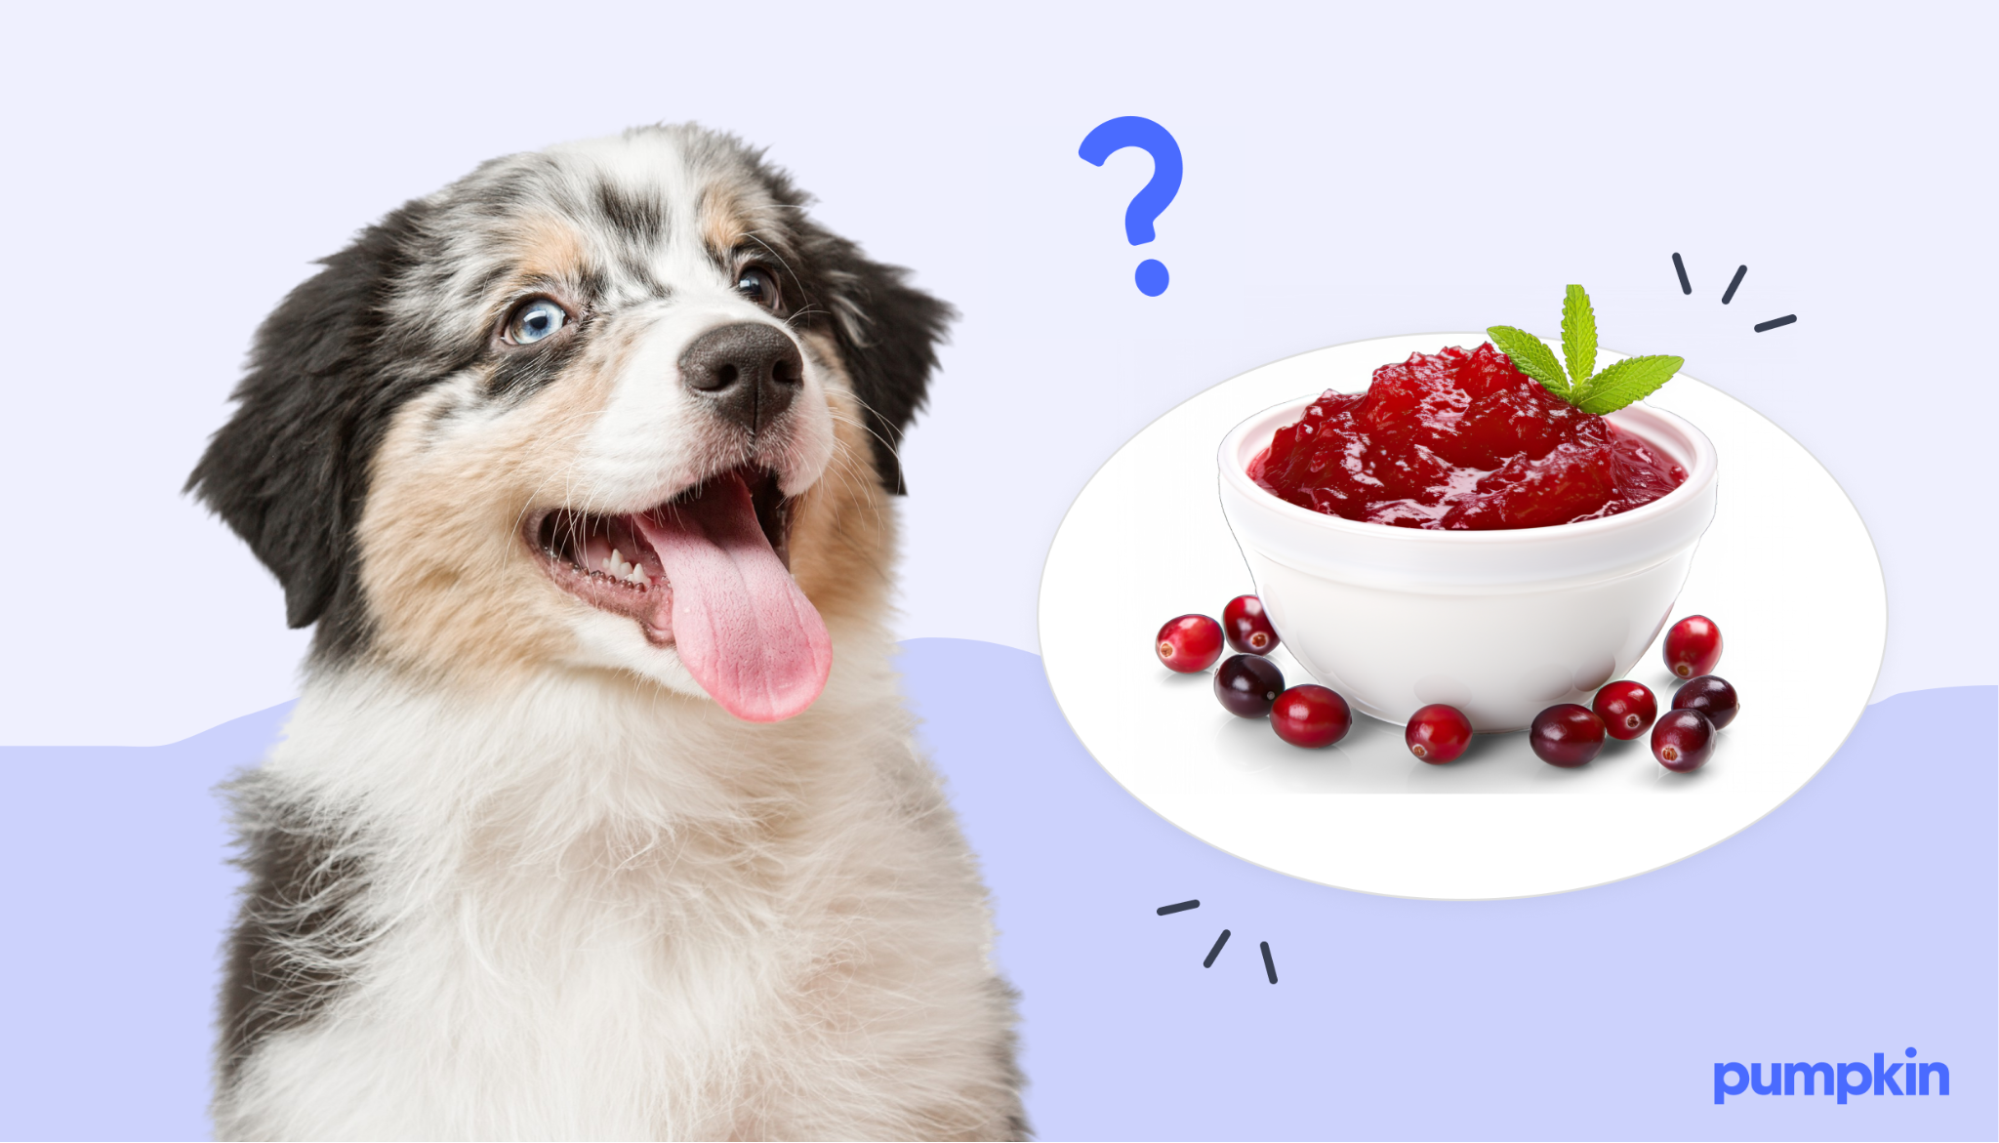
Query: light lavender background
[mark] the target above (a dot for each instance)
(1352, 171)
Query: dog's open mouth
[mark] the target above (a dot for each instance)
(708, 574)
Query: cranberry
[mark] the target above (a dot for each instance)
(1566, 735)
(1693, 646)
(1438, 733)
(1311, 715)
(1626, 708)
(1248, 684)
(1190, 643)
(1683, 740)
(1711, 695)
(1247, 627)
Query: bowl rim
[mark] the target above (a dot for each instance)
(1702, 468)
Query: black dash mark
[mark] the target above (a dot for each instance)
(1217, 950)
(1729, 295)
(1269, 966)
(1180, 908)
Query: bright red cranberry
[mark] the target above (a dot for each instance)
(1693, 647)
(1247, 627)
(1566, 735)
(1190, 643)
(1311, 715)
(1626, 708)
(1683, 740)
(1711, 695)
(1438, 733)
(1248, 685)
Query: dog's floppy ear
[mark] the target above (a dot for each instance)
(888, 333)
(288, 472)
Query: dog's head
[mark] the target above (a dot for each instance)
(618, 404)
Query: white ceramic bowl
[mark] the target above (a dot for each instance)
(1499, 624)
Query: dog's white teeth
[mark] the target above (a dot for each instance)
(615, 567)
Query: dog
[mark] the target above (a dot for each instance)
(599, 815)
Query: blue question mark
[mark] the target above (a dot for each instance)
(1114, 135)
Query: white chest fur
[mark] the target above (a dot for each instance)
(594, 909)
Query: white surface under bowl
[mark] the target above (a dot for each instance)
(1787, 569)
(1500, 624)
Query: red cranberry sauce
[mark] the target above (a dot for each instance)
(1460, 441)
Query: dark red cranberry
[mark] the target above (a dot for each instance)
(1683, 740)
(1438, 733)
(1310, 715)
(1248, 684)
(1693, 646)
(1626, 708)
(1566, 735)
(1247, 627)
(1711, 695)
(1190, 643)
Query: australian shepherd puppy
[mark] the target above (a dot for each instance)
(599, 815)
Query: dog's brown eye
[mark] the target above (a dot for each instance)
(536, 320)
(758, 285)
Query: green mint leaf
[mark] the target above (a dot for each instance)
(1531, 356)
(1579, 341)
(1623, 382)
(1618, 385)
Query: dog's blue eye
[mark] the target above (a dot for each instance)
(536, 320)
(758, 285)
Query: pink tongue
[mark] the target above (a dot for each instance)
(746, 632)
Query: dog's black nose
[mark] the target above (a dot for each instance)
(749, 371)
